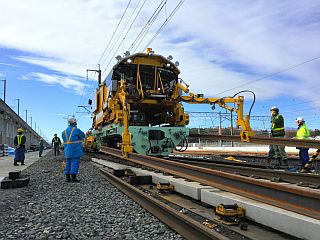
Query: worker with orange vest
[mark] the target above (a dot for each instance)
(19, 143)
(73, 150)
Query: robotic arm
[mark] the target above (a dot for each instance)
(242, 120)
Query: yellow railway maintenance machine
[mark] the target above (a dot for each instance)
(138, 106)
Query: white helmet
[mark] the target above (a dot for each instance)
(274, 109)
(301, 119)
(72, 121)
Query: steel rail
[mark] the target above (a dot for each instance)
(262, 140)
(185, 226)
(291, 177)
(234, 153)
(287, 196)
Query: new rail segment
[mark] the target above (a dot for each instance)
(294, 198)
(254, 171)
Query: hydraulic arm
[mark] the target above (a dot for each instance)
(243, 121)
(126, 146)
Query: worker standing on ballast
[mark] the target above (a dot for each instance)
(19, 143)
(73, 150)
(277, 131)
(41, 147)
(56, 142)
(302, 133)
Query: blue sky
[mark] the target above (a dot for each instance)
(46, 47)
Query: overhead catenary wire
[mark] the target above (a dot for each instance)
(108, 56)
(114, 32)
(165, 22)
(125, 35)
(137, 41)
(269, 75)
(92, 75)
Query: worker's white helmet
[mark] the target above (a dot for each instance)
(72, 121)
(274, 109)
(300, 119)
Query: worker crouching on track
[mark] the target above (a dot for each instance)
(302, 133)
(277, 131)
(19, 143)
(73, 150)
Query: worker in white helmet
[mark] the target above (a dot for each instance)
(302, 133)
(73, 150)
(277, 131)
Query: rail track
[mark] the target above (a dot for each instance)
(254, 171)
(261, 140)
(184, 225)
(284, 195)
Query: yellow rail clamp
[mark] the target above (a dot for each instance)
(209, 225)
(230, 214)
(230, 158)
(165, 186)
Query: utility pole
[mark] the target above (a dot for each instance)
(4, 89)
(31, 121)
(35, 126)
(96, 70)
(18, 99)
(26, 116)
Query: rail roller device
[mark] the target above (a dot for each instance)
(138, 107)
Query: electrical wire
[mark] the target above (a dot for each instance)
(124, 37)
(142, 34)
(114, 32)
(270, 75)
(165, 22)
(120, 34)
(92, 75)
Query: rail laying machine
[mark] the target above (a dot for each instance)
(139, 106)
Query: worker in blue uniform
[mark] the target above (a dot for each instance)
(73, 150)
(19, 143)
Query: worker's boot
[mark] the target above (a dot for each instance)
(22, 163)
(15, 163)
(68, 178)
(74, 178)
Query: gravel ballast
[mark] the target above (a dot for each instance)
(50, 208)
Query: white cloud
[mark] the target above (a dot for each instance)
(219, 44)
(65, 82)
(9, 64)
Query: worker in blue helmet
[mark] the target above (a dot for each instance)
(73, 150)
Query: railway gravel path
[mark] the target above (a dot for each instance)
(50, 208)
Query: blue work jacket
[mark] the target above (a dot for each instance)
(72, 138)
